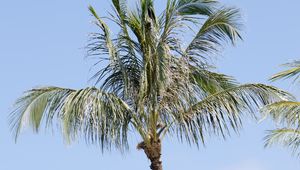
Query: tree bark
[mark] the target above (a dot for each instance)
(153, 152)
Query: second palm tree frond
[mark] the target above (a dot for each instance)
(286, 114)
(289, 138)
(293, 71)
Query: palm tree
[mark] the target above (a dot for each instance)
(151, 83)
(286, 113)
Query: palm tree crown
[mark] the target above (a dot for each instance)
(151, 82)
(285, 113)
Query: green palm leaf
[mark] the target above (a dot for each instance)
(211, 82)
(195, 7)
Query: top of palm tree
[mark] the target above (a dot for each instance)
(150, 82)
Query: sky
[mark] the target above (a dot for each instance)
(41, 43)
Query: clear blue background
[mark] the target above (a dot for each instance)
(41, 43)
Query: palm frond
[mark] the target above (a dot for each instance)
(196, 7)
(284, 112)
(135, 25)
(293, 71)
(218, 112)
(222, 26)
(121, 7)
(103, 41)
(121, 73)
(100, 117)
(211, 82)
(289, 138)
(177, 14)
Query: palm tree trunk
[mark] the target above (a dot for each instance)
(153, 152)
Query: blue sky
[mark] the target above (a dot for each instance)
(41, 43)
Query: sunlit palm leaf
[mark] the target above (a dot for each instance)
(292, 72)
(284, 112)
